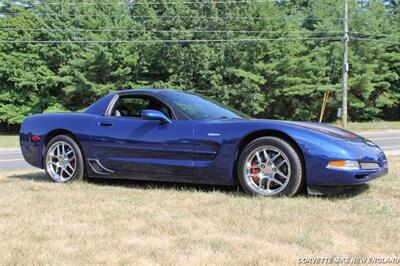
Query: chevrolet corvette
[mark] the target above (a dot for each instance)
(167, 135)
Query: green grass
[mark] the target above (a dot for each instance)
(9, 141)
(117, 223)
(373, 126)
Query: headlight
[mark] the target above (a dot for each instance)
(344, 165)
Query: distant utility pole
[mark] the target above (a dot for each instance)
(345, 63)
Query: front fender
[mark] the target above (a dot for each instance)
(318, 149)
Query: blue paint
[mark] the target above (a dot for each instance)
(155, 115)
(194, 151)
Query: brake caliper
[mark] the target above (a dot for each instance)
(254, 172)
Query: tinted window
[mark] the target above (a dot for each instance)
(198, 107)
(134, 105)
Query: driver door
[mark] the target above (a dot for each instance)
(143, 149)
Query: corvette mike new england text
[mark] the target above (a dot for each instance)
(350, 260)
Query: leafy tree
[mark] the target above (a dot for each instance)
(284, 78)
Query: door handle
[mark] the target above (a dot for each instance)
(105, 124)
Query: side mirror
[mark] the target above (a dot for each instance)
(155, 115)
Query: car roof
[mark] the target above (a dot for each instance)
(144, 90)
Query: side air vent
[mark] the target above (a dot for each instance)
(98, 168)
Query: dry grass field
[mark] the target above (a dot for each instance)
(114, 223)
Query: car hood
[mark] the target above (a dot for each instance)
(327, 129)
(324, 129)
(311, 126)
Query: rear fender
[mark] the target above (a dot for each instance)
(46, 126)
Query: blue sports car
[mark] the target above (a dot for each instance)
(166, 135)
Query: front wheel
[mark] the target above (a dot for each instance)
(63, 160)
(270, 166)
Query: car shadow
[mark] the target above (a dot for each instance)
(139, 184)
(34, 176)
(353, 191)
(152, 185)
(349, 192)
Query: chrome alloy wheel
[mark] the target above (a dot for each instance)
(267, 170)
(61, 161)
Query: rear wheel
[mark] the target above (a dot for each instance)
(270, 166)
(63, 160)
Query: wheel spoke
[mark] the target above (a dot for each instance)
(258, 158)
(252, 165)
(269, 184)
(54, 167)
(282, 174)
(275, 157)
(70, 166)
(277, 181)
(260, 181)
(266, 155)
(280, 164)
(68, 172)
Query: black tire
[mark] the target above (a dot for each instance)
(79, 172)
(295, 180)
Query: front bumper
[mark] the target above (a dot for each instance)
(319, 175)
(343, 177)
(338, 180)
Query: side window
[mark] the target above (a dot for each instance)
(128, 106)
(134, 105)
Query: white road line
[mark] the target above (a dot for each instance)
(12, 160)
(7, 153)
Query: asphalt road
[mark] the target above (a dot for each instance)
(389, 141)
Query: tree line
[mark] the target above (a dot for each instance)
(269, 59)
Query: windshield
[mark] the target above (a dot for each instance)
(199, 107)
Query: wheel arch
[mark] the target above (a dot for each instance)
(57, 132)
(268, 133)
